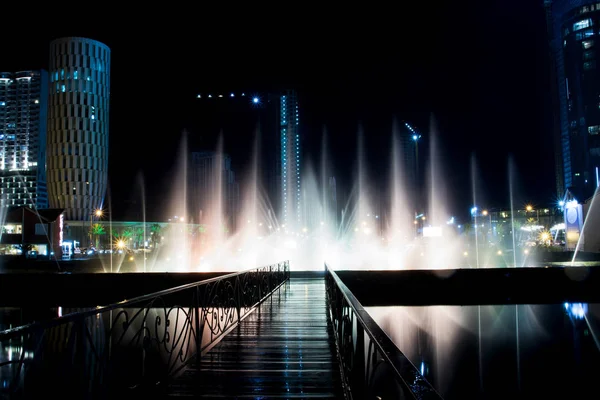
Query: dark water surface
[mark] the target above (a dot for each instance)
(501, 351)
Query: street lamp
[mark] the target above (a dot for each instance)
(529, 208)
(98, 213)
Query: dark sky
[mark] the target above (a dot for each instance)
(478, 68)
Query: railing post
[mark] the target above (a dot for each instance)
(239, 300)
(198, 333)
(358, 365)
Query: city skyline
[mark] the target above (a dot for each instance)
(469, 90)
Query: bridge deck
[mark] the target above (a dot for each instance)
(285, 349)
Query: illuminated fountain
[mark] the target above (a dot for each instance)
(358, 236)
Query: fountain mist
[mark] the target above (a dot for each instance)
(374, 230)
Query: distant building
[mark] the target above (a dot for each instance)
(23, 114)
(213, 191)
(39, 232)
(573, 34)
(78, 121)
(409, 139)
(291, 161)
(496, 224)
(274, 117)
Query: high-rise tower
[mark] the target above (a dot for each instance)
(23, 113)
(573, 28)
(78, 117)
(291, 157)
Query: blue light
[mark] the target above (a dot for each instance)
(255, 100)
(576, 310)
(473, 210)
(415, 137)
(232, 95)
(561, 203)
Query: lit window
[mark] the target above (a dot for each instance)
(585, 23)
(594, 130)
(588, 65)
(585, 34)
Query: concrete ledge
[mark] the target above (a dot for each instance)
(550, 285)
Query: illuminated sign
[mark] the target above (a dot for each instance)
(61, 223)
(573, 225)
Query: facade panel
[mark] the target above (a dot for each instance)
(78, 121)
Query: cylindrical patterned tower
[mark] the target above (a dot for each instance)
(77, 147)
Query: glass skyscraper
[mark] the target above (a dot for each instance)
(573, 29)
(291, 158)
(23, 114)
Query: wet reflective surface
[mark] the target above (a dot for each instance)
(500, 351)
(284, 349)
(11, 317)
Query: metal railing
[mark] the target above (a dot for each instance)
(133, 346)
(372, 366)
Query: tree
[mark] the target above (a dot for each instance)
(97, 230)
(155, 230)
(126, 236)
(139, 236)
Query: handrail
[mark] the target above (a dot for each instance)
(133, 345)
(19, 330)
(379, 371)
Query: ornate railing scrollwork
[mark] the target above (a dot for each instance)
(372, 367)
(132, 347)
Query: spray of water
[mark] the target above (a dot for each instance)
(512, 212)
(375, 229)
(582, 235)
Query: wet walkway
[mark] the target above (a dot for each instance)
(284, 349)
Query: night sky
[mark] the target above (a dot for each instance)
(478, 69)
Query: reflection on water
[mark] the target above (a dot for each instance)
(11, 317)
(105, 352)
(500, 351)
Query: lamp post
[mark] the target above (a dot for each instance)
(529, 208)
(98, 213)
(415, 138)
(490, 230)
